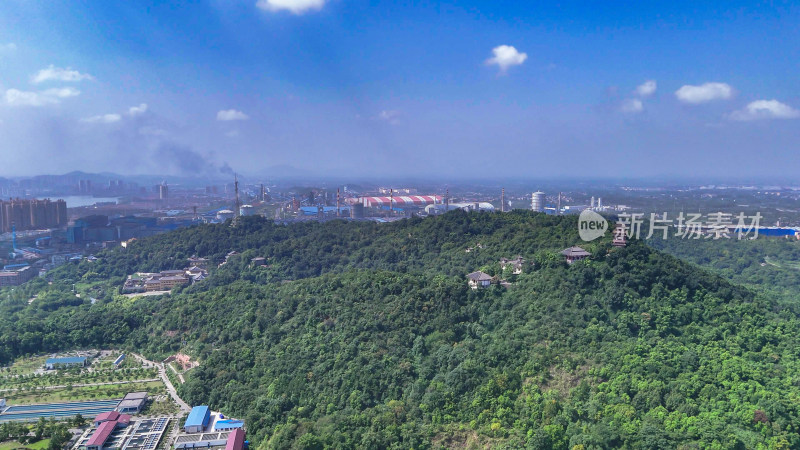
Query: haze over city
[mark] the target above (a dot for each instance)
(478, 89)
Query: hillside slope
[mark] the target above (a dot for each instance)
(366, 336)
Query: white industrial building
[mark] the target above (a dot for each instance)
(473, 206)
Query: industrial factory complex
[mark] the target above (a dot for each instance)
(115, 424)
(39, 234)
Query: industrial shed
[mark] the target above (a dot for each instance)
(197, 420)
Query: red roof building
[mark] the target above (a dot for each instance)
(124, 420)
(101, 435)
(105, 417)
(235, 440)
(400, 200)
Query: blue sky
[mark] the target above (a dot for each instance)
(337, 87)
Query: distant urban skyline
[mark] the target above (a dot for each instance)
(376, 89)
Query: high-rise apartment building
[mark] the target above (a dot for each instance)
(32, 214)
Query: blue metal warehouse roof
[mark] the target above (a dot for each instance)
(69, 360)
(198, 417)
(228, 424)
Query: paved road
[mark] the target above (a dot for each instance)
(106, 383)
(163, 375)
(180, 375)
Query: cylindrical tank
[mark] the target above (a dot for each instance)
(537, 201)
(357, 211)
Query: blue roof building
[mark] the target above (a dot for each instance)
(197, 420)
(54, 363)
(228, 424)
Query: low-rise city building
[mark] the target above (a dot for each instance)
(17, 275)
(132, 403)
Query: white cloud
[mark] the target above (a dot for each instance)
(104, 118)
(232, 134)
(54, 73)
(8, 48)
(765, 109)
(390, 116)
(294, 6)
(231, 114)
(137, 110)
(62, 92)
(632, 105)
(506, 56)
(647, 88)
(152, 131)
(704, 93)
(15, 97)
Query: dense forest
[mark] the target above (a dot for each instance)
(364, 335)
(767, 264)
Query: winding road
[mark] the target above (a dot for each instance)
(163, 375)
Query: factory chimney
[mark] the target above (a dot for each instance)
(236, 189)
(337, 203)
(503, 200)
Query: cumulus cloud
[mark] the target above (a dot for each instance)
(294, 6)
(137, 110)
(646, 89)
(765, 109)
(53, 73)
(104, 118)
(704, 93)
(15, 97)
(390, 116)
(506, 56)
(632, 105)
(231, 114)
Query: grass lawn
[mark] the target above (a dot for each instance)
(11, 445)
(83, 393)
(64, 378)
(25, 366)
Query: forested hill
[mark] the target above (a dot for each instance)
(362, 335)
